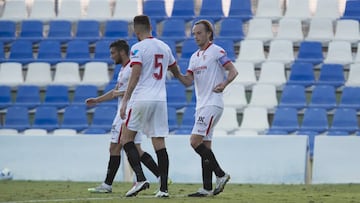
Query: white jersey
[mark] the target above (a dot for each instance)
(155, 57)
(208, 71)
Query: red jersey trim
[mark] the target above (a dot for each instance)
(134, 63)
(128, 118)
(198, 53)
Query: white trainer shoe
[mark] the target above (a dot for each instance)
(201, 193)
(162, 194)
(220, 183)
(103, 188)
(138, 186)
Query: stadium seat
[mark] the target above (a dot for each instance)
(38, 73)
(60, 30)
(327, 9)
(125, 10)
(337, 133)
(94, 131)
(339, 52)
(5, 96)
(234, 96)
(276, 132)
(103, 117)
(311, 139)
(255, 118)
(21, 52)
(285, 119)
(70, 10)
(260, 29)
(323, 96)
(246, 74)
(56, 96)
(228, 46)
(77, 51)
(281, 51)
(172, 45)
(7, 31)
(320, 30)
(96, 73)
(11, 74)
(211, 8)
(176, 95)
(228, 120)
(75, 117)
(183, 9)
(102, 52)
(290, 29)
(116, 29)
(352, 10)
(269, 9)
(347, 30)
(231, 29)
(43, 10)
(189, 46)
(301, 74)
(155, 9)
(64, 132)
(293, 96)
(8, 131)
(357, 55)
(188, 119)
(251, 51)
(17, 117)
(263, 95)
(173, 29)
(49, 52)
(298, 9)
(67, 73)
(310, 52)
(172, 118)
(46, 118)
(241, 9)
(113, 102)
(345, 119)
(88, 30)
(98, 10)
(31, 30)
(315, 119)
(35, 132)
(28, 96)
(272, 73)
(331, 74)
(15, 11)
(2, 54)
(83, 92)
(353, 75)
(350, 98)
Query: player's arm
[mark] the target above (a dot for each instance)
(184, 79)
(134, 79)
(105, 97)
(232, 73)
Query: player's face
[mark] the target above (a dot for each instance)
(201, 35)
(115, 55)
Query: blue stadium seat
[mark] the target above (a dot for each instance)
(173, 29)
(2, 53)
(350, 98)
(94, 131)
(176, 95)
(49, 51)
(189, 46)
(46, 118)
(331, 74)
(116, 70)
(17, 117)
(7, 31)
(323, 96)
(315, 119)
(337, 133)
(345, 120)
(28, 96)
(82, 92)
(183, 9)
(211, 8)
(183, 64)
(188, 118)
(241, 9)
(231, 29)
(5, 96)
(31, 30)
(102, 53)
(172, 118)
(285, 119)
(77, 51)
(103, 117)
(276, 132)
(60, 30)
(228, 46)
(293, 96)
(352, 10)
(183, 131)
(21, 52)
(113, 102)
(155, 9)
(116, 29)
(75, 117)
(172, 45)
(311, 136)
(302, 74)
(56, 96)
(310, 52)
(88, 30)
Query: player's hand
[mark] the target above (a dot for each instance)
(123, 109)
(91, 101)
(117, 93)
(219, 88)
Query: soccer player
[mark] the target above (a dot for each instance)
(119, 51)
(207, 68)
(146, 96)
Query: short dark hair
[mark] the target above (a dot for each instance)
(120, 45)
(142, 20)
(208, 27)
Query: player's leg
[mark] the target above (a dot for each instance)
(148, 161)
(163, 163)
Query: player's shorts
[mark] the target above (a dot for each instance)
(148, 117)
(116, 131)
(206, 119)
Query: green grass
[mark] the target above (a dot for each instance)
(67, 191)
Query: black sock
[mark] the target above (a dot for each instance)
(134, 160)
(210, 159)
(149, 162)
(206, 175)
(163, 162)
(113, 166)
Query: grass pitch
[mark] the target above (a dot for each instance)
(67, 191)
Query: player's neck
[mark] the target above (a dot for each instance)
(145, 36)
(125, 62)
(205, 46)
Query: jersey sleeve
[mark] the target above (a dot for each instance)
(135, 55)
(222, 57)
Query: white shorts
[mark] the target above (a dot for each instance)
(148, 117)
(206, 119)
(116, 131)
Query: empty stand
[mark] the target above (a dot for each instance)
(17, 118)
(35, 132)
(83, 92)
(285, 119)
(116, 29)
(38, 73)
(310, 52)
(125, 10)
(255, 118)
(290, 29)
(323, 96)
(77, 51)
(188, 119)
(176, 95)
(28, 96)
(241, 9)
(353, 75)
(11, 74)
(60, 30)
(260, 29)
(231, 29)
(183, 9)
(7, 31)
(339, 52)
(228, 120)
(67, 73)
(94, 131)
(102, 52)
(228, 46)
(98, 10)
(96, 73)
(263, 95)
(352, 10)
(46, 118)
(320, 30)
(64, 132)
(172, 119)
(43, 10)
(298, 9)
(315, 119)
(155, 9)
(56, 96)
(327, 9)
(331, 74)
(5, 96)
(188, 47)
(281, 51)
(31, 30)
(49, 52)
(347, 30)
(21, 52)
(293, 96)
(302, 74)
(350, 98)
(8, 131)
(270, 9)
(246, 73)
(272, 73)
(70, 10)
(345, 119)
(103, 117)
(15, 10)
(88, 30)
(252, 51)
(75, 117)
(211, 8)
(234, 96)
(173, 29)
